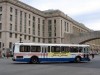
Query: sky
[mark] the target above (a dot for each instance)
(83, 11)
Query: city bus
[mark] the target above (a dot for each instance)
(40, 53)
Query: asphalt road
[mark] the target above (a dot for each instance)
(8, 67)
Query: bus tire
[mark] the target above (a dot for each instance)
(78, 59)
(34, 60)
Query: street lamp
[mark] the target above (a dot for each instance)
(20, 39)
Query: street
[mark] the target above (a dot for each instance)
(8, 67)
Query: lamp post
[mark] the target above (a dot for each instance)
(20, 39)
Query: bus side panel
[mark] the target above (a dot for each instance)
(23, 60)
(56, 59)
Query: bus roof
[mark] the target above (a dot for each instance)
(46, 44)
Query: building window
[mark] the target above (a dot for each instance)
(11, 9)
(16, 19)
(10, 26)
(25, 22)
(29, 15)
(0, 26)
(33, 39)
(25, 37)
(61, 27)
(43, 40)
(0, 17)
(49, 40)
(29, 30)
(55, 40)
(15, 35)
(49, 22)
(10, 17)
(29, 23)
(33, 18)
(54, 21)
(43, 28)
(67, 27)
(10, 44)
(0, 44)
(54, 27)
(55, 34)
(0, 9)
(50, 34)
(20, 21)
(33, 26)
(0, 34)
(38, 39)
(29, 37)
(38, 26)
(49, 28)
(10, 35)
(38, 20)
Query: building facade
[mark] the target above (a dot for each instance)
(21, 22)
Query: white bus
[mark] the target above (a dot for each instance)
(39, 52)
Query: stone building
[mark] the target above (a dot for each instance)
(21, 22)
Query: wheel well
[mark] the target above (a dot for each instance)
(34, 57)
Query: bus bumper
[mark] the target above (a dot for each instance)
(13, 59)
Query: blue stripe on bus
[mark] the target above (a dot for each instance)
(52, 59)
(56, 59)
(23, 59)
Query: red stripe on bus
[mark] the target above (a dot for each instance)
(31, 54)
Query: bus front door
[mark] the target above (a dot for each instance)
(44, 53)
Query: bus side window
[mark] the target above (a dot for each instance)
(35, 48)
(74, 49)
(63, 49)
(52, 49)
(55, 49)
(27, 48)
(21, 48)
(80, 49)
(85, 50)
(67, 49)
(24, 48)
(48, 48)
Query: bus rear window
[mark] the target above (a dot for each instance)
(24, 48)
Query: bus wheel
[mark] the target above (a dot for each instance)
(34, 60)
(77, 59)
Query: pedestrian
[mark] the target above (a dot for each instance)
(0, 54)
(3, 54)
(92, 55)
(7, 54)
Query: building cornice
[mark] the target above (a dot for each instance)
(58, 13)
(25, 6)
